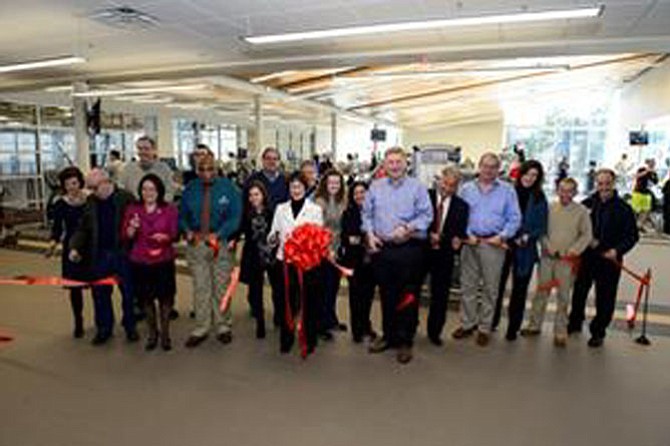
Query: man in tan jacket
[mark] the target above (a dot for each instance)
(568, 235)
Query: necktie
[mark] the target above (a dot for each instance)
(438, 215)
(205, 211)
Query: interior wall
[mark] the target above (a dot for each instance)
(475, 139)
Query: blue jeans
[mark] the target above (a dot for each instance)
(107, 264)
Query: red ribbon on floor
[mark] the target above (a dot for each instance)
(56, 281)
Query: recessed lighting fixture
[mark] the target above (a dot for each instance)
(127, 91)
(579, 13)
(45, 63)
(271, 76)
(125, 17)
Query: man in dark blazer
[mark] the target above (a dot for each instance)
(446, 234)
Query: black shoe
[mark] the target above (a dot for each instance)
(462, 333)
(166, 344)
(357, 339)
(194, 341)
(510, 336)
(174, 314)
(100, 339)
(404, 355)
(326, 336)
(260, 331)
(372, 335)
(225, 338)
(132, 336)
(151, 344)
(78, 332)
(596, 342)
(191, 314)
(436, 340)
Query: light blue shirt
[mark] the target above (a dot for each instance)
(494, 212)
(391, 204)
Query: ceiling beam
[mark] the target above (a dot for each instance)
(477, 85)
(321, 78)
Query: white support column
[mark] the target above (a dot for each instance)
(333, 136)
(164, 138)
(255, 138)
(81, 140)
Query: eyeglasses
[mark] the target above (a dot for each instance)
(205, 169)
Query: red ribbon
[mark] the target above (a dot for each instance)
(56, 281)
(230, 290)
(408, 300)
(573, 261)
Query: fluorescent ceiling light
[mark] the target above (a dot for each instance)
(46, 63)
(579, 13)
(59, 88)
(271, 76)
(126, 91)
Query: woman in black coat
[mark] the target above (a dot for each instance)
(257, 254)
(354, 255)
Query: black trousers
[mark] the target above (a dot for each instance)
(313, 293)
(504, 275)
(275, 276)
(605, 274)
(331, 280)
(666, 213)
(517, 302)
(77, 305)
(397, 270)
(361, 295)
(441, 268)
(255, 296)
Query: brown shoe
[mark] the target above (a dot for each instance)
(560, 340)
(462, 333)
(483, 339)
(404, 355)
(379, 345)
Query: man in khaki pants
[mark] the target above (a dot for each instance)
(210, 214)
(568, 235)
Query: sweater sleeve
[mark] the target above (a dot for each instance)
(585, 233)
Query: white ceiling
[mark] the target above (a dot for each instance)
(197, 38)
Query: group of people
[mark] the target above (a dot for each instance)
(392, 233)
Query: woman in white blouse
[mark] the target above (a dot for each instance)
(295, 212)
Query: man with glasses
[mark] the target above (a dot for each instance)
(97, 243)
(494, 218)
(211, 209)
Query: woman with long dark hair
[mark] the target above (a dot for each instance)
(523, 252)
(257, 254)
(67, 212)
(331, 197)
(151, 227)
(353, 254)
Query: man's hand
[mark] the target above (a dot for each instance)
(610, 254)
(354, 240)
(496, 240)
(456, 243)
(374, 242)
(74, 256)
(572, 253)
(434, 240)
(472, 240)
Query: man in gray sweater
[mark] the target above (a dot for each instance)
(568, 235)
(148, 162)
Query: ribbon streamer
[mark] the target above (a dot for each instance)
(56, 281)
(408, 300)
(230, 290)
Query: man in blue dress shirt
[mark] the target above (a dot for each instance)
(494, 218)
(396, 216)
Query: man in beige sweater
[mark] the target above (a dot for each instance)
(568, 235)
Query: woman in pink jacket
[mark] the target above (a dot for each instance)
(151, 227)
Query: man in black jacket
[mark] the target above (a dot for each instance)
(614, 234)
(446, 234)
